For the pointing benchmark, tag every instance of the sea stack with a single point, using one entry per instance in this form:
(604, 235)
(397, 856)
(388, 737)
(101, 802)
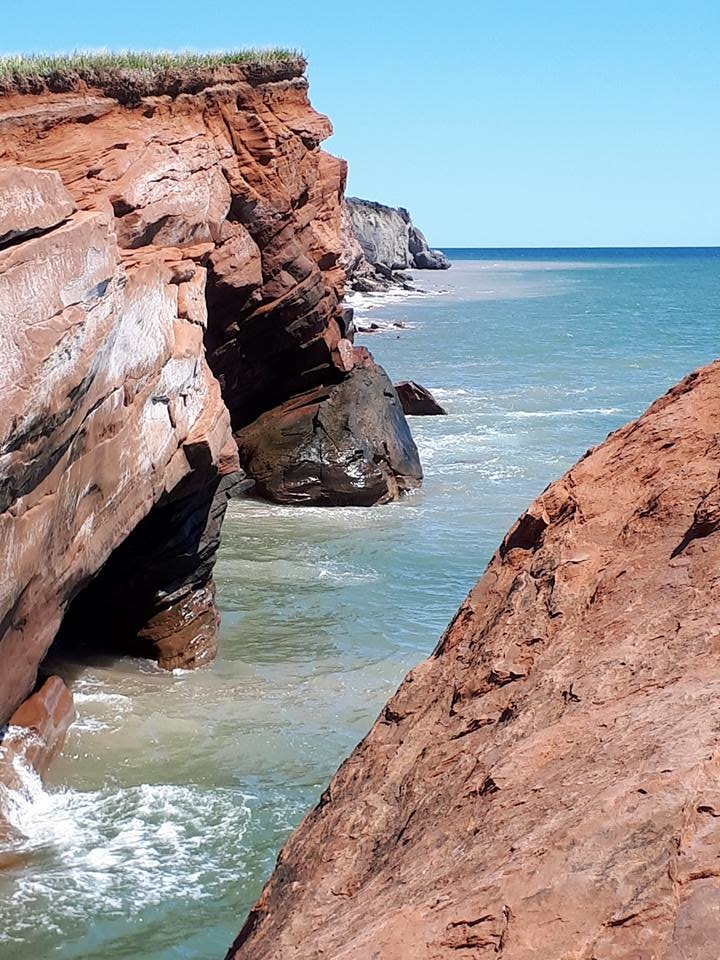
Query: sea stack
(547, 782)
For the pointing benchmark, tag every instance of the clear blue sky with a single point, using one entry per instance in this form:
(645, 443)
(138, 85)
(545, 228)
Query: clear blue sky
(496, 122)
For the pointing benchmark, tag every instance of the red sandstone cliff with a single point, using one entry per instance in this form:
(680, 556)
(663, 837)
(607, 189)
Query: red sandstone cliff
(547, 783)
(169, 271)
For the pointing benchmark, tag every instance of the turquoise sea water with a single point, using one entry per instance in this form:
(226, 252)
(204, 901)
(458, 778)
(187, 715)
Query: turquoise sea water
(174, 792)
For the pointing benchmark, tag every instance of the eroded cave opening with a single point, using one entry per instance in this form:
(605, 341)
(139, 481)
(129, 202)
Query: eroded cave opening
(154, 597)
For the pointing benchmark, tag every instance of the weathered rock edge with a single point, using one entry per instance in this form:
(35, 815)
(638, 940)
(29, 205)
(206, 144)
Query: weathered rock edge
(128, 85)
(547, 783)
(417, 401)
(379, 243)
(169, 271)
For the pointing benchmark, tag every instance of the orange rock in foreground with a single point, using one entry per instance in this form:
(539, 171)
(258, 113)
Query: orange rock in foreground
(547, 783)
(36, 730)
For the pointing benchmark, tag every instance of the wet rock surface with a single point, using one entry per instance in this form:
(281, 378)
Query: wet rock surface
(33, 736)
(546, 783)
(417, 401)
(343, 445)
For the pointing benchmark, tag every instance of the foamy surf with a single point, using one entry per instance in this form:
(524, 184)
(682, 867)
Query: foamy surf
(91, 847)
(552, 414)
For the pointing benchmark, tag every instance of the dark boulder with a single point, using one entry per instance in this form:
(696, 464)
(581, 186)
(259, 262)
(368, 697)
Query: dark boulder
(347, 444)
(417, 401)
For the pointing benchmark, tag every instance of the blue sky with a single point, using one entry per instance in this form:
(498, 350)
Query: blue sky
(496, 122)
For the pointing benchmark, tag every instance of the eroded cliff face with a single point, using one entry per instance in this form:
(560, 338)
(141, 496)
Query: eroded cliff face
(381, 242)
(108, 406)
(547, 784)
(169, 271)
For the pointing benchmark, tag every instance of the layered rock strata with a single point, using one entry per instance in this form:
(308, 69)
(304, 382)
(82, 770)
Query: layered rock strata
(108, 404)
(169, 271)
(547, 783)
(381, 242)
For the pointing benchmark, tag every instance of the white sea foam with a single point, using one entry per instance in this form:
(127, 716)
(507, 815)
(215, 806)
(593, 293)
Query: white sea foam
(307, 519)
(369, 301)
(369, 324)
(100, 696)
(549, 414)
(292, 571)
(97, 845)
(442, 393)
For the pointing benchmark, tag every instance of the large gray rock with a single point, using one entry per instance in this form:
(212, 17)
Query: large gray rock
(383, 233)
(389, 241)
(423, 257)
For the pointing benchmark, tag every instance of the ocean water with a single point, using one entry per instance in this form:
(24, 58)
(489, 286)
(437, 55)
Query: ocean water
(166, 810)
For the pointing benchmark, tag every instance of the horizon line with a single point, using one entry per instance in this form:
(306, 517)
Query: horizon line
(581, 246)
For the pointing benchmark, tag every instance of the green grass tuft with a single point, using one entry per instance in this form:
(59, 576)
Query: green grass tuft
(46, 66)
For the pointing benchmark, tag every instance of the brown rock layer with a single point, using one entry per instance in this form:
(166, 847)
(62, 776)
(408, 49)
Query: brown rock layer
(232, 174)
(29, 742)
(547, 784)
(36, 731)
(108, 404)
(169, 271)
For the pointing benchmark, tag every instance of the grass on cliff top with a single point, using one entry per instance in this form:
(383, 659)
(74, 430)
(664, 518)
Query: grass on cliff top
(79, 63)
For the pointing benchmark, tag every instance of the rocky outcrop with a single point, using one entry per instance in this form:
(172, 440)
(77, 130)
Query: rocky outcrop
(169, 271)
(108, 407)
(389, 242)
(417, 401)
(346, 445)
(423, 258)
(548, 782)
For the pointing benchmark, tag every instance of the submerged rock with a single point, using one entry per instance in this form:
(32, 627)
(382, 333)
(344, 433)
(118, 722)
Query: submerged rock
(347, 444)
(417, 401)
(547, 783)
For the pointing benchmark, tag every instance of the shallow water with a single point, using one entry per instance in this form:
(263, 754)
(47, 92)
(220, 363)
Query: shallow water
(174, 792)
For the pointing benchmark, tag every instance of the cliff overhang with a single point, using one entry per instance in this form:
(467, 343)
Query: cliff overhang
(170, 270)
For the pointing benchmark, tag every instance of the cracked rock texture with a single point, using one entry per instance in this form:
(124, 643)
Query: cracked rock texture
(108, 407)
(547, 783)
(169, 271)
